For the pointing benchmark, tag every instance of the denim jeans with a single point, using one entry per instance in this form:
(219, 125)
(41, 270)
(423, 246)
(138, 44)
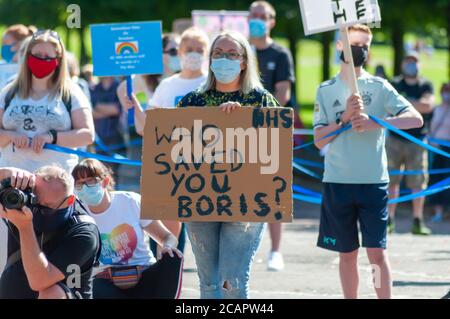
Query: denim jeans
(224, 254)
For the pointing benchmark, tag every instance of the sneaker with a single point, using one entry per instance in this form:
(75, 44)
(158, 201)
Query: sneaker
(276, 262)
(419, 228)
(391, 226)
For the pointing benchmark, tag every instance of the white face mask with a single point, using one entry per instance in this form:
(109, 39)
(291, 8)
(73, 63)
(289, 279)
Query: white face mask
(192, 61)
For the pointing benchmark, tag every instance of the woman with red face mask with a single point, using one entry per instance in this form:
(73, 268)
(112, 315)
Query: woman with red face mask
(42, 106)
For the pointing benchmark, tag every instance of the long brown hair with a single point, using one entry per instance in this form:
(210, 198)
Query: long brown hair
(90, 167)
(59, 82)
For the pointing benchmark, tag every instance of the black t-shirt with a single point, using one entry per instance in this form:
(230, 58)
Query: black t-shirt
(74, 244)
(108, 129)
(275, 65)
(414, 93)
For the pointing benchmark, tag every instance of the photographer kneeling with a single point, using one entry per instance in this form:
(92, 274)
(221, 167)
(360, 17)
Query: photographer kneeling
(53, 244)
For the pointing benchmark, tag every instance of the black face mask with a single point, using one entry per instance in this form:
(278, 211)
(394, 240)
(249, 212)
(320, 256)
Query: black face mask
(47, 219)
(360, 55)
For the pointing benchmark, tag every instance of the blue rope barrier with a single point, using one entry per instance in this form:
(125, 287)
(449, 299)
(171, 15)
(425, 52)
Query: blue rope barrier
(306, 191)
(439, 187)
(337, 132)
(436, 171)
(99, 157)
(310, 196)
(306, 171)
(115, 147)
(438, 141)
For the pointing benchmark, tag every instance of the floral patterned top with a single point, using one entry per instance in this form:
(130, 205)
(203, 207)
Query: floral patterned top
(256, 98)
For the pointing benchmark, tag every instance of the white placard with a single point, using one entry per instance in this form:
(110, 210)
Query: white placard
(326, 15)
(7, 72)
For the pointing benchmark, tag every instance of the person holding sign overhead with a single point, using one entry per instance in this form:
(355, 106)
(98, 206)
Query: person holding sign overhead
(144, 86)
(356, 176)
(224, 252)
(12, 40)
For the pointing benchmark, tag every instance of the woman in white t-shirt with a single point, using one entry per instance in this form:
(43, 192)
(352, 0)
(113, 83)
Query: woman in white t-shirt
(42, 106)
(128, 268)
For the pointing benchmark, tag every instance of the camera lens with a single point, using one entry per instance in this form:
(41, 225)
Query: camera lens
(13, 199)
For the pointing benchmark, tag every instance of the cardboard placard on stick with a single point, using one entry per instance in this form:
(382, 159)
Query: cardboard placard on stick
(200, 164)
(326, 15)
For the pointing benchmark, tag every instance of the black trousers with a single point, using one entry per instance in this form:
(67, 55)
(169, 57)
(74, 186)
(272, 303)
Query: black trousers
(161, 281)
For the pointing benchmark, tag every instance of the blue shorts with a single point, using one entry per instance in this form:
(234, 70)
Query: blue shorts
(343, 206)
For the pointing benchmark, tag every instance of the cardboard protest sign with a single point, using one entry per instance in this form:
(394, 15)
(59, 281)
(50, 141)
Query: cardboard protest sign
(123, 49)
(325, 15)
(214, 22)
(7, 72)
(200, 164)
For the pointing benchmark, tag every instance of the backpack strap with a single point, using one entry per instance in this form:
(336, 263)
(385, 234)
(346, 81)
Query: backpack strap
(68, 103)
(9, 97)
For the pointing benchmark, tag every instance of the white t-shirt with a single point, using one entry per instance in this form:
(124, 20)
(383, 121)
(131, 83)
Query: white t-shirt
(33, 117)
(124, 242)
(172, 89)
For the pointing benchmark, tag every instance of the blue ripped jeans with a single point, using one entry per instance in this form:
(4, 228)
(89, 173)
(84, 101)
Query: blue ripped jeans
(224, 254)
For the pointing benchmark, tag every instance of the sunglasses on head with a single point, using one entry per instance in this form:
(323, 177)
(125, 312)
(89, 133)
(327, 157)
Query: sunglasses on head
(51, 33)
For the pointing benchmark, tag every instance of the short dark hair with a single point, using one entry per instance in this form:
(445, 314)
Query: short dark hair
(90, 167)
(267, 5)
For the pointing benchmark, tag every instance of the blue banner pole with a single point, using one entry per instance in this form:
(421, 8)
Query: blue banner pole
(130, 93)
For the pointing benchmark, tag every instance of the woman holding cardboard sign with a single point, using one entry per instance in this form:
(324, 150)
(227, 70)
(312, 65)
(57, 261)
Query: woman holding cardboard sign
(224, 252)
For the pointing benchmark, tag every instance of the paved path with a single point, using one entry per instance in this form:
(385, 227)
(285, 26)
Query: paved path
(421, 265)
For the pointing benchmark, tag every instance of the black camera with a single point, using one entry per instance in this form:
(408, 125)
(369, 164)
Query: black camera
(14, 198)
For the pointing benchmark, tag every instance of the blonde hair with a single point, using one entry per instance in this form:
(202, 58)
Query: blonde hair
(266, 5)
(360, 27)
(249, 77)
(59, 82)
(56, 173)
(195, 33)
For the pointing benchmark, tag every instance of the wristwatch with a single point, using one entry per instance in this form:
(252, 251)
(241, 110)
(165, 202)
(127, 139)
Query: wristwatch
(54, 135)
(339, 119)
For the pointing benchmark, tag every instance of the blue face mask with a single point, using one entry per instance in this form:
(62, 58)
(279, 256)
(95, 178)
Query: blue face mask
(47, 222)
(174, 63)
(411, 70)
(7, 53)
(258, 28)
(92, 196)
(226, 70)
